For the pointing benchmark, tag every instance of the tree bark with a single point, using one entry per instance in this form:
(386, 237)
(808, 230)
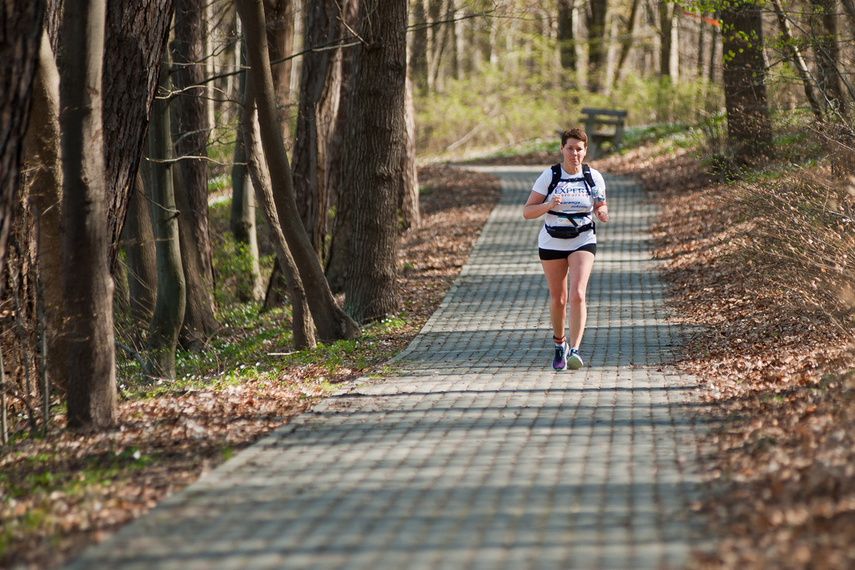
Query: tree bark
(374, 158)
(628, 39)
(140, 258)
(319, 104)
(338, 259)
(171, 293)
(135, 43)
(43, 155)
(242, 219)
(666, 25)
(597, 17)
(200, 322)
(408, 200)
(419, 46)
(301, 317)
(331, 321)
(91, 396)
(20, 26)
(190, 114)
(744, 74)
(280, 25)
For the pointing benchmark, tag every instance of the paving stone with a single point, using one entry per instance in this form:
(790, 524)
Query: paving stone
(474, 453)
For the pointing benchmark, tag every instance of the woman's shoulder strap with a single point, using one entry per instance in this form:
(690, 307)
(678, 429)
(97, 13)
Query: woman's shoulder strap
(556, 176)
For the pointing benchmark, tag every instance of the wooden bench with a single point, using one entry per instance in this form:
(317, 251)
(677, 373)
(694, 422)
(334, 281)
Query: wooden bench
(594, 119)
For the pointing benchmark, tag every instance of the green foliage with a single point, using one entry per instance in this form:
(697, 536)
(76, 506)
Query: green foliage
(492, 113)
(232, 262)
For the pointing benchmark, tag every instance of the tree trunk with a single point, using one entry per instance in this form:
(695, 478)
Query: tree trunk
(91, 396)
(338, 259)
(408, 200)
(242, 219)
(331, 321)
(140, 258)
(190, 182)
(566, 39)
(744, 74)
(797, 60)
(135, 43)
(628, 39)
(824, 39)
(301, 317)
(200, 323)
(666, 25)
(319, 104)
(43, 155)
(438, 40)
(280, 24)
(53, 22)
(597, 17)
(419, 46)
(19, 51)
(171, 294)
(374, 158)
(190, 116)
(714, 52)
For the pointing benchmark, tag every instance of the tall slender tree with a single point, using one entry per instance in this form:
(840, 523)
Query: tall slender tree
(171, 289)
(91, 395)
(331, 321)
(243, 214)
(190, 122)
(271, 202)
(43, 157)
(596, 18)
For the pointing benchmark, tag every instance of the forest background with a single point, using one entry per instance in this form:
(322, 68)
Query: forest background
(255, 234)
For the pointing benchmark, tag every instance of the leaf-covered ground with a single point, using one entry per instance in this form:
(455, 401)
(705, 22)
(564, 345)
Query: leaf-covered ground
(779, 457)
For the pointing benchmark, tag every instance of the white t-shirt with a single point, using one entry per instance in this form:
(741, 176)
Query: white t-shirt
(575, 198)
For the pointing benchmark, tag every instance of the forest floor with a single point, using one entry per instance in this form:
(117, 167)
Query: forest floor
(778, 456)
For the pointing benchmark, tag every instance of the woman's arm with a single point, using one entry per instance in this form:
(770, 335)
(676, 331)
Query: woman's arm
(536, 207)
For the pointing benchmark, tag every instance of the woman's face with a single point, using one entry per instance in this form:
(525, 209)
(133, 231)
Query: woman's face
(574, 151)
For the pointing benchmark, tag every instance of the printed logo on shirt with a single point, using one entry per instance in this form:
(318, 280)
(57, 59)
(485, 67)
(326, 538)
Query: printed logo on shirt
(574, 196)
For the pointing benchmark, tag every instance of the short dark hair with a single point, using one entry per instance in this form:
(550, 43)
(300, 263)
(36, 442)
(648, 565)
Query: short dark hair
(577, 134)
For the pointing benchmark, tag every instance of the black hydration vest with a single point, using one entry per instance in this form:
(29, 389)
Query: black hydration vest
(570, 232)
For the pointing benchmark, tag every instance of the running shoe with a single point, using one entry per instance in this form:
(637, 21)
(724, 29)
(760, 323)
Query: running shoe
(574, 360)
(559, 361)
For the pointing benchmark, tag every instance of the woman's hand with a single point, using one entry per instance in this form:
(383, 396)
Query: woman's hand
(602, 212)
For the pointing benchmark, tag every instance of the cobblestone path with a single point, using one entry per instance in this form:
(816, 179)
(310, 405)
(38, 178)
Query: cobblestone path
(474, 453)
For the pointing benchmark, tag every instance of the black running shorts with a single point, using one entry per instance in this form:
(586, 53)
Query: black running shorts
(549, 254)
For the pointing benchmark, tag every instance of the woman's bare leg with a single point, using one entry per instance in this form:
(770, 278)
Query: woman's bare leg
(580, 265)
(555, 271)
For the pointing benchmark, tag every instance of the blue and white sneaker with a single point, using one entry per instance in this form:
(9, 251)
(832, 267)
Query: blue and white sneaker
(574, 361)
(559, 361)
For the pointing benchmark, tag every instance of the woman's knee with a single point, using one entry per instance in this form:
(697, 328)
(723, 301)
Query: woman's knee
(559, 299)
(577, 297)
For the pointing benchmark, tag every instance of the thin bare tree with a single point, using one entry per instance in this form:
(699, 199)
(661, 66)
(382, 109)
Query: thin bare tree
(331, 321)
